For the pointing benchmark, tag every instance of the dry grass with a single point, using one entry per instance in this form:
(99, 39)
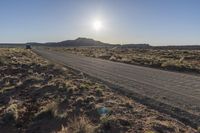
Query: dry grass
(50, 110)
(198, 129)
(78, 125)
(11, 113)
(44, 97)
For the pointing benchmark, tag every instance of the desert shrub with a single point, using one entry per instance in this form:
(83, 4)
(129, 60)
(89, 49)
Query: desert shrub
(49, 111)
(84, 86)
(79, 101)
(99, 92)
(112, 124)
(78, 125)
(3, 60)
(198, 129)
(128, 104)
(105, 122)
(63, 130)
(90, 98)
(62, 87)
(11, 114)
(150, 132)
(81, 125)
(176, 65)
(45, 114)
(70, 90)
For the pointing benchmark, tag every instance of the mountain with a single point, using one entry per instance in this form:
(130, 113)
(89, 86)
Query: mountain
(78, 42)
(81, 42)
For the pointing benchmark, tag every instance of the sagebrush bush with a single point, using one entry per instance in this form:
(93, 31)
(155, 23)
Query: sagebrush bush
(11, 114)
(48, 111)
(81, 125)
(99, 92)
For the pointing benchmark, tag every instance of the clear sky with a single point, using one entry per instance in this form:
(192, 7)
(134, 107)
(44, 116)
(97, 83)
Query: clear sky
(158, 22)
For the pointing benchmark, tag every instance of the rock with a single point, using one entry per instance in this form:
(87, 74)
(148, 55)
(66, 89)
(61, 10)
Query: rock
(103, 111)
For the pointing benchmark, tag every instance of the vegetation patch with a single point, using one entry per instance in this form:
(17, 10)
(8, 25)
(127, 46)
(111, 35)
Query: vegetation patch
(37, 96)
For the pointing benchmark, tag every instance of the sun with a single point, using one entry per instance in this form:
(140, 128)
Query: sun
(97, 25)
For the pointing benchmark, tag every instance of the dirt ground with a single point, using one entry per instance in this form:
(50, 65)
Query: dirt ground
(37, 96)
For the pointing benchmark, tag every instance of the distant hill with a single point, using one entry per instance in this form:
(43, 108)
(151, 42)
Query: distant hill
(87, 42)
(180, 47)
(11, 45)
(81, 42)
(136, 46)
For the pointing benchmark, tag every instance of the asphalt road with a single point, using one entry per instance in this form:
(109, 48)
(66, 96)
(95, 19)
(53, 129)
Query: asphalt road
(171, 88)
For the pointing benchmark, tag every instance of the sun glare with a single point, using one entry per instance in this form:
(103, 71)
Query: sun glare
(97, 25)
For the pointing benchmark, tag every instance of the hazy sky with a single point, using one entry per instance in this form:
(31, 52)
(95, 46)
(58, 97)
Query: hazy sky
(158, 22)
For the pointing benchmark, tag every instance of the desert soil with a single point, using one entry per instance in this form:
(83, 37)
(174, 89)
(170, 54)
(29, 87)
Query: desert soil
(37, 96)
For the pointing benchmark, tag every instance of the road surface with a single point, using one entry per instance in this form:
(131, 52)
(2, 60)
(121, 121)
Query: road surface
(175, 89)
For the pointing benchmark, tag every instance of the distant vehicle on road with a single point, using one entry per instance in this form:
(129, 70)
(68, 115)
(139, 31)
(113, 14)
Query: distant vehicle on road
(28, 46)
